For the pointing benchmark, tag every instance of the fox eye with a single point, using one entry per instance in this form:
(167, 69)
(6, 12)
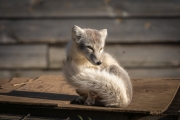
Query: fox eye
(89, 47)
(100, 49)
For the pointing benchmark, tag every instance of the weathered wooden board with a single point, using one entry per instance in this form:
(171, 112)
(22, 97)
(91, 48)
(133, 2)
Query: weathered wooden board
(27, 117)
(174, 106)
(4, 74)
(12, 117)
(154, 73)
(133, 72)
(33, 73)
(4, 81)
(153, 90)
(153, 95)
(119, 30)
(56, 56)
(130, 55)
(43, 90)
(146, 55)
(23, 56)
(14, 84)
(84, 8)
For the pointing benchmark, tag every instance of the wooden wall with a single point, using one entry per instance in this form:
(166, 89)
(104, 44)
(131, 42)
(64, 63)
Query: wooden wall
(143, 35)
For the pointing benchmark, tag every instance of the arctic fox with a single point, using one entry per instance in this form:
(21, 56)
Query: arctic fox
(95, 74)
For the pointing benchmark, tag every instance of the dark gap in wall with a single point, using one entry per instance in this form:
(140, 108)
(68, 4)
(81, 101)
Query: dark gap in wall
(63, 44)
(87, 17)
(58, 69)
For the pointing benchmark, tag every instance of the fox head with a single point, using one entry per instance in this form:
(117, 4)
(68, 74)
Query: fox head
(89, 43)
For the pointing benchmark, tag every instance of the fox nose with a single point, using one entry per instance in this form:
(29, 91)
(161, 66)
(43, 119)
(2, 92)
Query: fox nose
(99, 62)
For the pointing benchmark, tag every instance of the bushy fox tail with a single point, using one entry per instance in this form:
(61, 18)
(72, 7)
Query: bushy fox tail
(109, 87)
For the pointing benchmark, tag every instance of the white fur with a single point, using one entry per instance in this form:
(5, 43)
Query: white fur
(82, 74)
(110, 87)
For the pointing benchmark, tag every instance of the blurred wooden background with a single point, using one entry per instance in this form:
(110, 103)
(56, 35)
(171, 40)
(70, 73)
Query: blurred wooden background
(144, 35)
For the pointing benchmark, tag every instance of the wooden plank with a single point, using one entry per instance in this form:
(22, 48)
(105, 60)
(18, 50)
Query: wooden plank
(56, 56)
(46, 84)
(133, 72)
(153, 95)
(23, 56)
(14, 84)
(146, 55)
(131, 55)
(4, 74)
(149, 88)
(3, 81)
(32, 73)
(19, 116)
(119, 30)
(154, 73)
(84, 8)
(12, 117)
(175, 105)
(41, 91)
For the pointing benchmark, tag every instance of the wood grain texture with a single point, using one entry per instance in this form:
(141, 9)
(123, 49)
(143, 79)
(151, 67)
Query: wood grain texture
(84, 8)
(144, 73)
(175, 105)
(4, 81)
(153, 95)
(13, 84)
(27, 116)
(23, 56)
(52, 90)
(56, 56)
(153, 90)
(119, 30)
(131, 55)
(32, 73)
(146, 55)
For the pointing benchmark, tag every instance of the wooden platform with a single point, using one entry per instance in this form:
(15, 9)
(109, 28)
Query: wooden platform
(151, 96)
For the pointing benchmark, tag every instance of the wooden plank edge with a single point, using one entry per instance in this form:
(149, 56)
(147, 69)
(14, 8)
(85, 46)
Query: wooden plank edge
(11, 103)
(64, 113)
(101, 109)
(177, 92)
(72, 107)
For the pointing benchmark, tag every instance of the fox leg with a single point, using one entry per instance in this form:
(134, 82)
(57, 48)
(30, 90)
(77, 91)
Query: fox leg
(82, 97)
(91, 98)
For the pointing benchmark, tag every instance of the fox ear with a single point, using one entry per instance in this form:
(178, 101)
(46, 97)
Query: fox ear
(77, 32)
(103, 33)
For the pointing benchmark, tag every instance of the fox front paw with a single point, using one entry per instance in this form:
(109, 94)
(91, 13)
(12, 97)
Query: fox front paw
(89, 102)
(77, 101)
